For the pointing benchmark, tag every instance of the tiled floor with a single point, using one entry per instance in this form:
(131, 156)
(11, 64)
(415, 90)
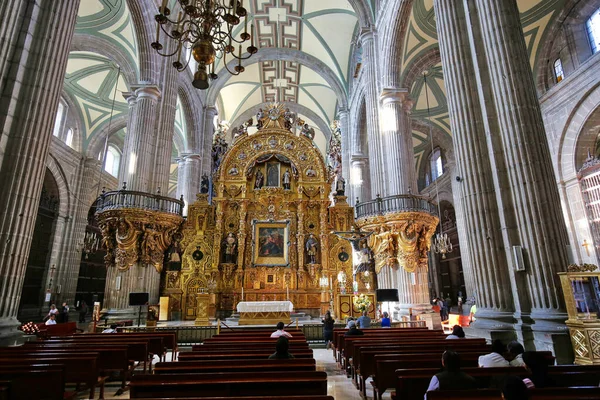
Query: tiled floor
(338, 385)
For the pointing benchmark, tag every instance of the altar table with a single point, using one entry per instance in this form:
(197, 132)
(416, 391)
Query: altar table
(264, 312)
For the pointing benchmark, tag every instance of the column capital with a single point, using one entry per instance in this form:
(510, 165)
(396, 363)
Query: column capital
(150, 91)
(211, 110)
(131, 98)
(395, 95)
(190, 156)
(366, 35)
(343, 112)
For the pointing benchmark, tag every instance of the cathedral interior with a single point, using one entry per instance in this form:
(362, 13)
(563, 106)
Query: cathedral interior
(441, 148)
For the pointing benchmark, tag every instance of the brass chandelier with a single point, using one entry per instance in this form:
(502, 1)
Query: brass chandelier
(206, 27)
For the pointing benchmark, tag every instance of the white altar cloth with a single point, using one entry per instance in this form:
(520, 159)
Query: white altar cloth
(265, 306)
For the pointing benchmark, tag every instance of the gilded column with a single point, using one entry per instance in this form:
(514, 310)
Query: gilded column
(378, 174)
(396, 131)
(36, 40)
(479, 226)
(533, 214)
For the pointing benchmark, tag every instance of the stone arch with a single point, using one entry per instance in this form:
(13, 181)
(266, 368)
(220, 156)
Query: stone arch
(441, 140)
(283, 54)
(73, 117)
(59, 176)
(185, 97)
(420, 64)
(142, 12)
(392, 29)
(99, 45)
(96, 144)
(363, 12)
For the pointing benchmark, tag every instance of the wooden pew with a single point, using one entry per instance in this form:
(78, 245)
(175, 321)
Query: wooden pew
(338, 335)
(241, 355)
(248, 345)
(40, 382)
(186, 367)
(169, 339)
(411, 384)
(265, 384)
(569, 393)
(314, 397)
(63, 329)
(79, 368)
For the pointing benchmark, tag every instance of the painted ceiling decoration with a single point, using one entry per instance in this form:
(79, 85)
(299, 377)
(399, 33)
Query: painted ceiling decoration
(322, 29)
(421, 38)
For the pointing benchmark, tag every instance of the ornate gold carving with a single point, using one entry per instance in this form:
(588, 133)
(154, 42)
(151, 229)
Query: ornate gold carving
(582, 268)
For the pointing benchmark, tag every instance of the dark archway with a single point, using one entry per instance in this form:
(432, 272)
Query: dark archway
(34, 285)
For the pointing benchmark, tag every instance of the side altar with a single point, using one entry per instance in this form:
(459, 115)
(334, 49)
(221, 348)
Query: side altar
(267, 233)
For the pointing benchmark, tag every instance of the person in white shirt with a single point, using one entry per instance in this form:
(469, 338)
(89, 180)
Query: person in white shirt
(51, 320)
(112, 329)
(515, 354)
(496, 357)
(280, 332)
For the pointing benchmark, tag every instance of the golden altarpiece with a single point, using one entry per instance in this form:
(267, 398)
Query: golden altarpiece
(268, 234)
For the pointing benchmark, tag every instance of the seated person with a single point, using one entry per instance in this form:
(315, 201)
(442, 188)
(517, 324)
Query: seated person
(281, 350)
(457, 333)
(514, 389)
(348, 322)
(496, 357)
(51, 320)
(385, 321)
(112, 329)
(452, 378)
(353, 331)
(538, 366)
(364, 321)
(280, 332)
(515, 354)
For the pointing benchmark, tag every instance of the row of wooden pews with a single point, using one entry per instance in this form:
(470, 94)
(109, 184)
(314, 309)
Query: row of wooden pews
(84, 360)
(235, 365)
(406, 359)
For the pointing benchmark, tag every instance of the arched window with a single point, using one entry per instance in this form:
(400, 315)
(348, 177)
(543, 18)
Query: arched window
(558, 70)
(60, 115)
(593, 31)
(69, 137)
(113, 161)
(436, 164)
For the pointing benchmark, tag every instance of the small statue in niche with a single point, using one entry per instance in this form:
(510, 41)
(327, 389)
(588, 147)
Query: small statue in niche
(287, 179)
(311, 173)
(204, 184)
(259, 181)
(308, 131)
(234, 171)
(312, 248)
(260, 115)
(289, 119)
(340, 185)
(230, 245)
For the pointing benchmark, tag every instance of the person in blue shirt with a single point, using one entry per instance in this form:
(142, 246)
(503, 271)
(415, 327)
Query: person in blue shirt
(385, 321)
(364, 321)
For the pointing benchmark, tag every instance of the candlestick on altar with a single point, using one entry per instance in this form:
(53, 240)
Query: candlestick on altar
(242, 293)
(287, 289)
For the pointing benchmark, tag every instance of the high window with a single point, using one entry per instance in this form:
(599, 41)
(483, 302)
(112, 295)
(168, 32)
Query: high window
(559, 73)
(69, 137)
(436, 164)
(593, 31)
(60, 116)
(113, 161)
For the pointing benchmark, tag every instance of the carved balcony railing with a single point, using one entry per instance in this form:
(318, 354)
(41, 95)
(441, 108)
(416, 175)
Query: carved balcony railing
(395, 204)
(128, 199)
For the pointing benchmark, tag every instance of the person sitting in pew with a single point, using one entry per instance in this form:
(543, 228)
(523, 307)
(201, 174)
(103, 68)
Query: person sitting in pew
(515, 354)
(537, 365)
(353, 330)
(112, 329)
(364, 321)
(514, 389)
(348, 322)
(51, 320)
(385, 321)
(282, 348)
(457, 333)
(452, 378)
(496, 357)
(280, 332)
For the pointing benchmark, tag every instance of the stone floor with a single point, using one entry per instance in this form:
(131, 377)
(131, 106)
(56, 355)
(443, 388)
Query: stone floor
(338, 385)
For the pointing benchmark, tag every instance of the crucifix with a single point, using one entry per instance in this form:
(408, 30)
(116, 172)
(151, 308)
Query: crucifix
(586, 246)
(355, 238)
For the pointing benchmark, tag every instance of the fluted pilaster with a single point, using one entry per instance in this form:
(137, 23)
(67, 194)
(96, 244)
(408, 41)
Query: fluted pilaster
(188, 182)
(534, 218)
(36, 41)
(479, 225)
(378, 174)
(345, 128)
(413, 290)
(396, 129)
(140, 142)
(207, 137)
(359, 178)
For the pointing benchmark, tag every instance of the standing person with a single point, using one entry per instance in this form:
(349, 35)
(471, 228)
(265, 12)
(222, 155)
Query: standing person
(64, 313)
(452, 378)
(83, 309)
(385, 321)
(53, 311)
(440, 304)
(328, 329)
(364, 321)
(282, 348)
(280, 332)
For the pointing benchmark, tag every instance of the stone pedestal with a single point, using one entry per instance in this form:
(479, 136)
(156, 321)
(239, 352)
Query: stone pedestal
(202, 306)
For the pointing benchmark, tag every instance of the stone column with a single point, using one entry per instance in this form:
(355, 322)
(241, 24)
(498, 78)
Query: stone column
(359, 178)
(396, 129)
(413, 291)
(345, 128)
(188, 182)
(36, 39)
(207, 138)
(376, 165)
(533, 214)
(477, 213)
(140, 143)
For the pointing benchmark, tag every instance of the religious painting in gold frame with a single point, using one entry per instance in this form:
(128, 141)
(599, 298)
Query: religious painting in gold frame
(271, 243)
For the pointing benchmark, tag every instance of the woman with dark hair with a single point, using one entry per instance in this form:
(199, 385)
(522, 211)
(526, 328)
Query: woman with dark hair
(385, 321)
(452, 378)
(457, 333)
(514, 389)
(328, 328)
(538, 366)
(281, 350)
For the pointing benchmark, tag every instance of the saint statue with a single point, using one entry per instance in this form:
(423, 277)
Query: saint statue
(364, 258)
(308, 131)
(312, 248)
(204, 184)
(260, 115)
(230, 248)
(286, 179)
(273, 175)
(259, 180)
(340, 185)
